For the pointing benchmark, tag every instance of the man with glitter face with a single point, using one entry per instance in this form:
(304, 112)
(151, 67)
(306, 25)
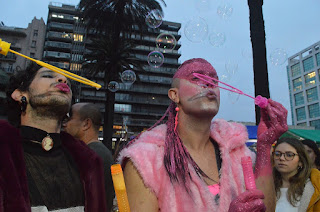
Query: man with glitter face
(192, 163)
(42, 169)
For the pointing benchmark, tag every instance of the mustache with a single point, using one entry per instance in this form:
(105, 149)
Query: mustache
(202, 94)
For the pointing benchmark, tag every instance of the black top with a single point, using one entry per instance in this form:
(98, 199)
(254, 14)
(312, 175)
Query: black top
(53, 178)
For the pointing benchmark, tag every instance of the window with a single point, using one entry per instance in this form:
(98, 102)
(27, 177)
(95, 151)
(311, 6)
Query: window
(308, 64)
(295, 70)
(297, 84)
(77, 37)
(314, 110)
(298, 99)
(302, 124)
(301, 113)
(33, 44)
(122, 107)
(318, 59)
(310, 79)
(35, 33)
(32, 55)
(316, 124)
(312, 94)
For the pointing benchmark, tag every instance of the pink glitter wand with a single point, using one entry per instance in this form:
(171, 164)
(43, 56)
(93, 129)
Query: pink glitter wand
(262, 102)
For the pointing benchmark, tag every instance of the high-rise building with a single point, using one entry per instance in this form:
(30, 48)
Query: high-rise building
(136, 107)
(304, 86)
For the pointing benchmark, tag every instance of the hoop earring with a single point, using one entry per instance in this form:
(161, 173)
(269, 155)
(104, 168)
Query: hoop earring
(23, 105)
(176, 119)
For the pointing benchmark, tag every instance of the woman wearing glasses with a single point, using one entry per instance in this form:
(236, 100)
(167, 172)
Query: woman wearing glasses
(297, 185)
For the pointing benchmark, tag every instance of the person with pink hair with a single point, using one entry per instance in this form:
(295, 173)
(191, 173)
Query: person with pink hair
(192, 163)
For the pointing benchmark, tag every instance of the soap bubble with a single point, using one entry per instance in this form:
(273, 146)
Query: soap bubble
(247, 53)
(113, 86)
(278, 57)
(203, 5)
(233, 97)
(196, 30)
(128, 77)
(154, 19)
(225, 11)
(166, 42)
(217, 39)
(231, 67)
(155, 59)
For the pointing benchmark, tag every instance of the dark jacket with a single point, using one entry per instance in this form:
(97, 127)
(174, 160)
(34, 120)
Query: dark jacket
(14, 195)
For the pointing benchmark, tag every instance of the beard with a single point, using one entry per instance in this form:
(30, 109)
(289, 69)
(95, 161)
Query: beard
(49, 106)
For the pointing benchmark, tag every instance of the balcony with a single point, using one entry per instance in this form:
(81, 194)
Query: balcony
(58, 55)
(10, 57)
(61, 36)
(60, 45)
(62, 17)
(60, 65)
(60, 26)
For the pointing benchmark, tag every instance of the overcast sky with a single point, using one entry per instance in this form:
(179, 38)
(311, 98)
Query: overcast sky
(291, 26)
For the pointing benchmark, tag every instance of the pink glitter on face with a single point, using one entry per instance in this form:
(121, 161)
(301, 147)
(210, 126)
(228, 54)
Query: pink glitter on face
(195, 65)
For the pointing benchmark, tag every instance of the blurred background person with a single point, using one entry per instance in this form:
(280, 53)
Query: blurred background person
(83, 123)
(313, 152)
(297, 185)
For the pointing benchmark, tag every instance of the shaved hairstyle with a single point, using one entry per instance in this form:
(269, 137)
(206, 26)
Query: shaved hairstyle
(91, 111)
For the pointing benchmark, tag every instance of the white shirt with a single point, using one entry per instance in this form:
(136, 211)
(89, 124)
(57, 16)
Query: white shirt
(283, 205)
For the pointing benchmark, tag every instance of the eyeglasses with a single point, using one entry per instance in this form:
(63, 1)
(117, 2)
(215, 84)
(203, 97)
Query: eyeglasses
(287, 155)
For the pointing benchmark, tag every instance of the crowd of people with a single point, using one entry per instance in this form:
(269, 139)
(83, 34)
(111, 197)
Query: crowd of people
(51, 158)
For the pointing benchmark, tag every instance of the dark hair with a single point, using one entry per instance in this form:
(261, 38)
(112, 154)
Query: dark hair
(21, 80)
(91, 111)
(312, 145)
(297, 182)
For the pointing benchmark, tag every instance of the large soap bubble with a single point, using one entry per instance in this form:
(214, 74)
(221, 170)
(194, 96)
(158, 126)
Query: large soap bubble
(278, 56)
(225, 11)
(113, 86)
(154, 19)
(217, 39)
(166, 42)
(155, 59)
(196, 30)
(128, 77)
(231, 67)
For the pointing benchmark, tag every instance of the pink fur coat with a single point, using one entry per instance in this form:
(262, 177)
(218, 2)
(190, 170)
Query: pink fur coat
(147, 156)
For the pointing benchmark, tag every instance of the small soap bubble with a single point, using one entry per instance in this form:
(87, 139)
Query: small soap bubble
(128, 77)
(278, 57)
(231, 67)
(154, 18)
(155, 59)
(225, 11)
(217, 39)
(166, 42)
(203, 5)
(113, 86)
(247, 53)
(196, 30)
(233, 97)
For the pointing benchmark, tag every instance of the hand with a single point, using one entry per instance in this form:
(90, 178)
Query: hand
(273, 123)
(249, 201)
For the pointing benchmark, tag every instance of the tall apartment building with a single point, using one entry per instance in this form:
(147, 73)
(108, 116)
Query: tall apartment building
(304, 86)
(146, 100)
(28, 41)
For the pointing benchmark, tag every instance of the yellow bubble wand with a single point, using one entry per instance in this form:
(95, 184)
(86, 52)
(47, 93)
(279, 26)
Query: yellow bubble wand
(6, 48)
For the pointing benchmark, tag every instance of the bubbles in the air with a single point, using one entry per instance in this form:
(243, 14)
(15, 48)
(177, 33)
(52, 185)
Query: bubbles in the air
(233, 97)
(155, 59)
(217, 39)
(225, 11)
(154, 18)
(128, 77)
(231, 67)
(203, 5)
(113, 86)
(278, 56)
(196, 30)
(247, 53)
(166, 42)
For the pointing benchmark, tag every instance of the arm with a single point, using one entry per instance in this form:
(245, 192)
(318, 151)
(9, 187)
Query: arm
(272, 125)
(140, 197)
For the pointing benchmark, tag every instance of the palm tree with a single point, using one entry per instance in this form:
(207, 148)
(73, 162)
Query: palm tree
(258, 39)
(112, 22)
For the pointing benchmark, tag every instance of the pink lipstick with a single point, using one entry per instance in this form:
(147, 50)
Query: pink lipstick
(63, 87)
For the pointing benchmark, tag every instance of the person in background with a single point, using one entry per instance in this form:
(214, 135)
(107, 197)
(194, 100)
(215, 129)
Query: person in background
(83, 123)
(41, 168)
(297, 185)
(313, 152)
(192, 163)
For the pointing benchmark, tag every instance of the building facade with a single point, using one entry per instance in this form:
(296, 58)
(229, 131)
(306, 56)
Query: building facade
(304, 86)
(138, 106)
